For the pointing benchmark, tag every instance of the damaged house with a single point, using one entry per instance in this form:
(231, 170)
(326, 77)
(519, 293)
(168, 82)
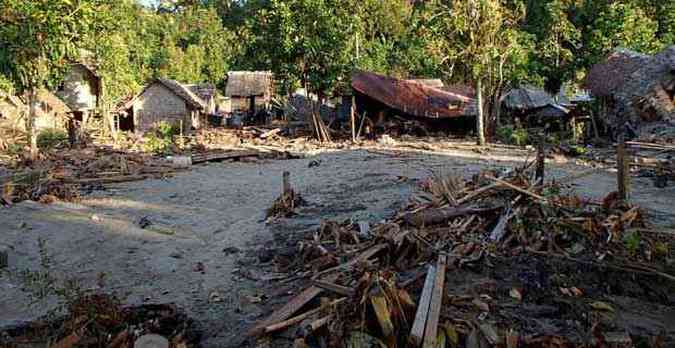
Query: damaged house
(634, 85)
(81, 90)
(381, 96)
(163, 100)
(250, 91)
(534, 106)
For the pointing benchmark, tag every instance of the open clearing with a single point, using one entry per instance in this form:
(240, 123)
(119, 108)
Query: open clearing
(208, 223)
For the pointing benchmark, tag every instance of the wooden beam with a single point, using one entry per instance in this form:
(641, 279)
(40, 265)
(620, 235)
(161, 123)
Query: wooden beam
(417, 332)
(431, 331)
(623, 169)
(287, 310)
(297, 319)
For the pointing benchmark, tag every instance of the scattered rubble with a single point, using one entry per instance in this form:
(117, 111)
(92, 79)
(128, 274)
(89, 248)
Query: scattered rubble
(549, 263)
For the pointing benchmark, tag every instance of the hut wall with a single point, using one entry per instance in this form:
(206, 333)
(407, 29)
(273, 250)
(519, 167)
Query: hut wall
(158, 103)
(243, 103)
(79, 89)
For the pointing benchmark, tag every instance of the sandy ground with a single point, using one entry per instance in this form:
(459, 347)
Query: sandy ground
(186, 256)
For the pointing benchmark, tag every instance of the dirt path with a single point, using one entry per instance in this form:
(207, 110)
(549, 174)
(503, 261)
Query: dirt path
(203, 216)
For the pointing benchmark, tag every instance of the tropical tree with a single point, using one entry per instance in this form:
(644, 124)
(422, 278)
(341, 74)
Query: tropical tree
(37, 40)
(480, 37)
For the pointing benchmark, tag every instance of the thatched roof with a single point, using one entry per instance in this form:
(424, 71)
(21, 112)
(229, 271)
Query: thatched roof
(12, 99)
(412, 97)
(248, 83)
(637, 82)
(607, 78)
(49, 102)
(179, 89)
(182, 91)
(205, 91)
(527, 98)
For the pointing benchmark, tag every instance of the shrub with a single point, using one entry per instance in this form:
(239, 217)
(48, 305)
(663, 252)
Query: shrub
(513, 135)
(156, 145)
(51, 138)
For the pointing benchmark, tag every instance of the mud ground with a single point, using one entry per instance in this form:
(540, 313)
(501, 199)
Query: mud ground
(206, 226)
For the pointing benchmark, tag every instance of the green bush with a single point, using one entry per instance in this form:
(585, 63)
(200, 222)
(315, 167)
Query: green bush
(51, 138)
(166, 130)
(157, 145)
(513, 135)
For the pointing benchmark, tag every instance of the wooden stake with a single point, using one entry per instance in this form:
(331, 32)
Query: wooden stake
(623, 168)
(541, 161)
(287, 183)
(417, 331)
(431, 331)
(353, 118)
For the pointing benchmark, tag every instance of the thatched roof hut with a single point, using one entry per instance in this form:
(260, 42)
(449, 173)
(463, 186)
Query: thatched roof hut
(249, 84)
(638, 85)
(526, 98)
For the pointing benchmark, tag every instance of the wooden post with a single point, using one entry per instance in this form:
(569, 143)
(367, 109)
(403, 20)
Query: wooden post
(623, 168)
(287, 183)
(353, 118)
(541, 161)
(32, 130)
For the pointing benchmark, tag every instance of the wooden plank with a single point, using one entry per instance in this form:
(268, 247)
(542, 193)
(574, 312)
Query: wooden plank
(295, 320)
(431, 331)
(287, 310)
(382, 312)
(417, 332)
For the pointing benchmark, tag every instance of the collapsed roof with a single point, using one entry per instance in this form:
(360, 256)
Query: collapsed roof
(412, 97)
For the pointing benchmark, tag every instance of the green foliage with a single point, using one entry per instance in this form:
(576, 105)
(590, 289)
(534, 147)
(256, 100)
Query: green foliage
(513, 135)
(52, 138)
(6, 85)
(161, 139)
(632, 242)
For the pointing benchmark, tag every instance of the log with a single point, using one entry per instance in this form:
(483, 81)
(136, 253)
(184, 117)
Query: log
(417, 332)
(623, 169)
(221, 156)
(431, 331)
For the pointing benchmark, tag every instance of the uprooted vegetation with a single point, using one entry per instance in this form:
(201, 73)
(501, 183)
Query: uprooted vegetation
(497, 260)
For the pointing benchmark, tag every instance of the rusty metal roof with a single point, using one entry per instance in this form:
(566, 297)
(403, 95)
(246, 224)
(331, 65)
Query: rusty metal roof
(413, 97)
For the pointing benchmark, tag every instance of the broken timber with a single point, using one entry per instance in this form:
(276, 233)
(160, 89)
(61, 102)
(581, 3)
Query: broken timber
(417, 332)
(431, 331)
(287, 310)
(221, 156)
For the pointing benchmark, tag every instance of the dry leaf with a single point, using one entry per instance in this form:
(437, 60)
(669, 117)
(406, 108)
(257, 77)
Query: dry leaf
(602, 306)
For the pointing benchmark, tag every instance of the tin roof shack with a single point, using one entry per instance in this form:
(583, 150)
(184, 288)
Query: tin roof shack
(250, 91)
(162, 100)
(381, 96)
(634, 85)
(81, 90)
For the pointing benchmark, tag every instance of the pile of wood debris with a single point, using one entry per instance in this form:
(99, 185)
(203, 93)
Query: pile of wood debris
(99, 321)
(500, 260)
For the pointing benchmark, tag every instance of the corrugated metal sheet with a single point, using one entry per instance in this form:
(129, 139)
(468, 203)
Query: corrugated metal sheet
(412, 97)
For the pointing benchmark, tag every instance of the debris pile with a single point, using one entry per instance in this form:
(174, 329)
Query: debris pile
(285, 205)
(60, 174)
(499, 260)
(99, 321)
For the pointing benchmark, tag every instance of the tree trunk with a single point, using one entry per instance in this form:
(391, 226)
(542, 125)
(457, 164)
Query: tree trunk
(480, 129)
(30, 127)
